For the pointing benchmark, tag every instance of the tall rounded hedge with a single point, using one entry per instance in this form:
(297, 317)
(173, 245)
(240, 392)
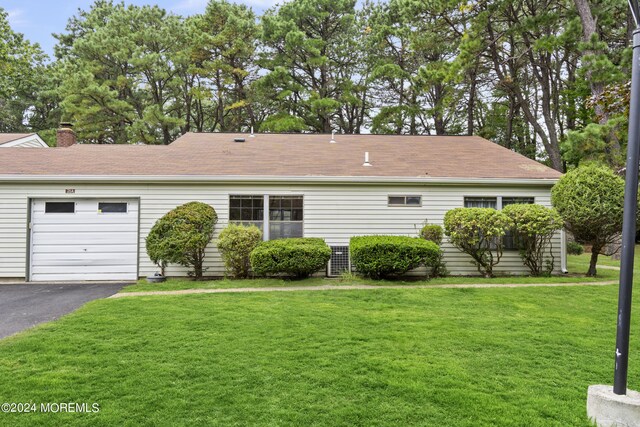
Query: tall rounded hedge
(379, 257)
(182, 235)
(533, 228)
(298, 257)
(235, 244)
(478, 232)
(590, 200)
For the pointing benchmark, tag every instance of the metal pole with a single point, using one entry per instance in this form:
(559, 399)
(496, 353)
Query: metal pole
(629, 226)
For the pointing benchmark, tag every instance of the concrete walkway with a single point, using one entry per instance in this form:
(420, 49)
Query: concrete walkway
(358, 287)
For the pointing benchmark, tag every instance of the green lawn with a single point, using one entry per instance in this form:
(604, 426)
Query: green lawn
(454, 357)
(577, 266)
(387, 357)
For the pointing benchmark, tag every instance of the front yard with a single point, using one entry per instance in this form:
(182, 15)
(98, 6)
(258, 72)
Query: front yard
(577, 266)
(454, 357)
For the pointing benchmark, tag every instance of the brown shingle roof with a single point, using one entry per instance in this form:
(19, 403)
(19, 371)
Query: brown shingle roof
(216, 154)
(8, 137)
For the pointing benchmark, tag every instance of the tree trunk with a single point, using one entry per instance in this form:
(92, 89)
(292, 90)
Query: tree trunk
(592, 264)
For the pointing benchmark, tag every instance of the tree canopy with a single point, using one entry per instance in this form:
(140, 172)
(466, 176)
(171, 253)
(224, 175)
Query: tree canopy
(546, 78)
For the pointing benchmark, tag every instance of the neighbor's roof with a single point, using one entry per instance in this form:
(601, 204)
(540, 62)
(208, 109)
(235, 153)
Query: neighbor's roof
(284, 155)
(8, 137)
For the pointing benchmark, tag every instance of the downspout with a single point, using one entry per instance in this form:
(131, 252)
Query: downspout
(563, 252)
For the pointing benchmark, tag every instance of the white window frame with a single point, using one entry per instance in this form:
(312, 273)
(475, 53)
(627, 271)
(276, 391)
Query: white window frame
(265, 211)
(403, 205)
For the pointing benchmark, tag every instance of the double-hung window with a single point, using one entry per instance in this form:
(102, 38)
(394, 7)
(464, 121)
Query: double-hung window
(509, 240)
(284, 214)
(285, 217)
(247, 210)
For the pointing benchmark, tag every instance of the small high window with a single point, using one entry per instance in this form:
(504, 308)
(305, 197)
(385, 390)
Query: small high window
(59, 207)
(112, 207)
(405, 201)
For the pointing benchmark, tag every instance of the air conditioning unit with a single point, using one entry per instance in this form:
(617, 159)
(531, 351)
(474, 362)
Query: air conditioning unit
(339, 262)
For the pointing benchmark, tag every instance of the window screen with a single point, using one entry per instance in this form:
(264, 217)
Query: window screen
(59, 207)
(480, 202)
(405, 200)
(285, 217)
(112, 207)
(510, 239)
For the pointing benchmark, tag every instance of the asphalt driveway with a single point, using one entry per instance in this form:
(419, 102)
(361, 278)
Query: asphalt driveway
(23, 306)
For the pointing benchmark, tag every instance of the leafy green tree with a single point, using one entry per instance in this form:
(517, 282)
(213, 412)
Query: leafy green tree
(23, 75)
(181, 236)
(308, 51)
(534, 227)
(590, 200)
(224, 41)
(121, 66)
(478, 232)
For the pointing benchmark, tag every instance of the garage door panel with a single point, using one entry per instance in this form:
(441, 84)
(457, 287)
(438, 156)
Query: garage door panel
(82, 258)
(87, 269)
(71, 248)
(78, 277)
(47, 220)
(85, 244)
(85, 239)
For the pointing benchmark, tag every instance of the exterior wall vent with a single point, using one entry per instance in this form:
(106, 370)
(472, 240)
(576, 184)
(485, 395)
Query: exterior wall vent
(340, 261)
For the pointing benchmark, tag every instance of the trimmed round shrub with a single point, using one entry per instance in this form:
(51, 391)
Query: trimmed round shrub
(432, 232)
(379, 257)
(533, 228)
(182, 235)
(478, 232)
(590, 200)
(235, 245)
(298, 257)
(575, 248)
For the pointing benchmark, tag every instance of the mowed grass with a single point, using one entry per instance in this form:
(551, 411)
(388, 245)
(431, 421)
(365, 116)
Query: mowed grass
(577, 266)
(384, 357)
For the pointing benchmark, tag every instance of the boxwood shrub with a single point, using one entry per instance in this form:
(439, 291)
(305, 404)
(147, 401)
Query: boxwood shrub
(298, 257)
(379, 257)
(575, 248)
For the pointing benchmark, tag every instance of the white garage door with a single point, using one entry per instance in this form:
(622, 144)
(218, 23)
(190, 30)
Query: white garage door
(84, 239)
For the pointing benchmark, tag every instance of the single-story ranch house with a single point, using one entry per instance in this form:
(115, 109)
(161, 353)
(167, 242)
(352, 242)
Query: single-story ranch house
(82, 212)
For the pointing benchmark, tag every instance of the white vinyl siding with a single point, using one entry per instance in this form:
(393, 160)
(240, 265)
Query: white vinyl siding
(333, 212)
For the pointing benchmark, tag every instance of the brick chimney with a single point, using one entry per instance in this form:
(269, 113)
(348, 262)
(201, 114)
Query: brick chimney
(65, 136)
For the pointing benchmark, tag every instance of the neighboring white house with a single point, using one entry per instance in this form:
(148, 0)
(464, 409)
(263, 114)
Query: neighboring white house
(82, 212)
(22, 140)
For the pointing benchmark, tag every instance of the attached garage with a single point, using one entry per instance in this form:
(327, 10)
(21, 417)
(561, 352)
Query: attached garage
(83, 239)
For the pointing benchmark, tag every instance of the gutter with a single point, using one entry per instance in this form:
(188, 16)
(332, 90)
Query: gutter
(563, 251)
(202, 179)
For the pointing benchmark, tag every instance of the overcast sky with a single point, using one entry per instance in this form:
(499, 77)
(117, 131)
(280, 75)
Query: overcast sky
(38, 19)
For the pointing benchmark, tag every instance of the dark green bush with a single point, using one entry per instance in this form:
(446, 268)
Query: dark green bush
(182, 235)
(379, 257)
(235, 245)
(299, 257)
(575, 248)
(432, 232)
